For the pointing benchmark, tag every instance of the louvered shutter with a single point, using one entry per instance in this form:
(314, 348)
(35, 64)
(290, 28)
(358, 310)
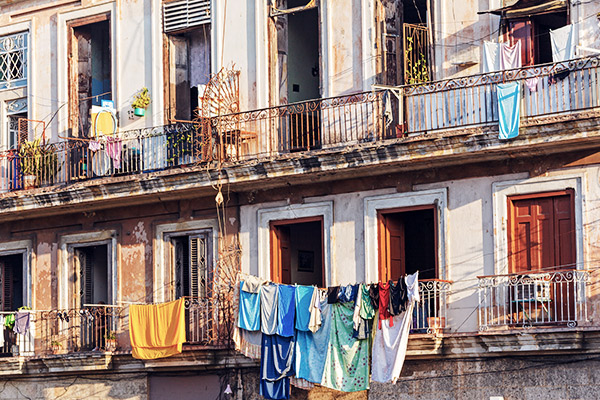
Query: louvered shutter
(86, 287)
(198, 267)
(6, 275)
(183, 14)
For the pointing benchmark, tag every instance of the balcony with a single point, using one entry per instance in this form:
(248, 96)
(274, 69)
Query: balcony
(429, 315)
(564, 91)
(98, 329)
(535, 299)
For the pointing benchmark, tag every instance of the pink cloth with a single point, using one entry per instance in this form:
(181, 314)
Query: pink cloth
(510, 56)
(113, 149)
(94, 146)
(532, 83)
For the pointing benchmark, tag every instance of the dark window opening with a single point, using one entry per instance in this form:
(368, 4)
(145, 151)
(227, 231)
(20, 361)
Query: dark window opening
(407, 244)
(189, 71)
(297, 252)
(90, 77)
(92, 274)
(192, 267)
(11, 273)
(415, 12)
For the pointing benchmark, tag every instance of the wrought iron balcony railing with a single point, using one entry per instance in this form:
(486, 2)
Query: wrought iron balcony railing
(429, 315)
(533, 299)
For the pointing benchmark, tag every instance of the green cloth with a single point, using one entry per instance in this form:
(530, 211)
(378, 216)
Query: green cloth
(347, 363)
(9, 321)
(366, 307)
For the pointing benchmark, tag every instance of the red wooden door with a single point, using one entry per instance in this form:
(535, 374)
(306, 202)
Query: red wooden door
(522, 30)
(392, 259)
(281, 257)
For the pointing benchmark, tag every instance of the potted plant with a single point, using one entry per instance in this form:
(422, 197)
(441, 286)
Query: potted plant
(111, 341)
(39, 163)
(140, 102)
(55, 346)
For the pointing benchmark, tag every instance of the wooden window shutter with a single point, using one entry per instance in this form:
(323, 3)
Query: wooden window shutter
(86, 274)
(183, 14)
(6, 274)
(198, 265)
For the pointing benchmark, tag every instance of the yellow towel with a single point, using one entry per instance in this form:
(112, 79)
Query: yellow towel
(157, 330)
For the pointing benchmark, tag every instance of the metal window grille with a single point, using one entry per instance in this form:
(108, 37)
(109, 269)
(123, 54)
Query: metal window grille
(183, 14)
(13, 60)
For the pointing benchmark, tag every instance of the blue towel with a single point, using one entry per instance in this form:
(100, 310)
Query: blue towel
(276, 390)
(286, 307)
(303, 297)
(509, 100)
(277, 357)
(249, 310)
(311, 349)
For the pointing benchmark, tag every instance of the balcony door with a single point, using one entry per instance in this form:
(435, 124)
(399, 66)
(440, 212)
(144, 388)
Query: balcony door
(191, 261)
(542, 251)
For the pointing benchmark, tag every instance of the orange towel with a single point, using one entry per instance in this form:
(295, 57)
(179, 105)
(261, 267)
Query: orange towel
(157, 330)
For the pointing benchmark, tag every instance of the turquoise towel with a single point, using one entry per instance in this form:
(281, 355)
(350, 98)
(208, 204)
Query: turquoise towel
(311, 349)
(303, 298)
(509, 96)
(249, 312)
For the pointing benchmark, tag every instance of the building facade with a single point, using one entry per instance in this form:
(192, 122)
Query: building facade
(313, 142)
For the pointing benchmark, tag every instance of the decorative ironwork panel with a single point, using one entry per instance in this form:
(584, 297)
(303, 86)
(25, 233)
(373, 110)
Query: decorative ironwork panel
(13, 60)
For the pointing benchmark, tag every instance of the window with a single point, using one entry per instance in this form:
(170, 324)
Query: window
(92, 274)
(407, 242)
(192, 270)
(297, 251)
(541, 232)
(16, 110)
(13, 60)
(89, 70)
(11, 276)
(187, 24)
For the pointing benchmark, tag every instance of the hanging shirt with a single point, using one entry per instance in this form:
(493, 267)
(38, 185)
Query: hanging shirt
(268, 309)
(412, 287)
(347, 293)
(315, 310)
(491, 57)
(303, 297)
(286, 309)
(374, 295)
(510, 56)
(249, 310)
(311, 349)
(357, 304)
(398, 297)
(332, 294)
(367, 311)
(347, 365)
(384, 302)
(563, 45)
(509, 96)
(389, 347)
(252, 284)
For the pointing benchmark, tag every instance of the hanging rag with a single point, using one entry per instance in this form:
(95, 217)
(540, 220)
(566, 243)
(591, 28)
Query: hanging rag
(252, 284)
(389, 347)
(249, 310)
(509, 96)
(347, 293)
(491, 57)
(563, 45)
(384, 302)
(510, 56)
(248, 342)
(367, 311)
(113, 150)
(303, 296)
(347, 364)
(22, 322)
(94, 146)
(332, 294)
(374, 295)
(319, 296)
(276, 366)
(9, 321)
(388, 115)
(412, 287)
(357, 305)
(398, 297)
(286, 307)
(268, 309)
(311, 349)
(157, 330)
(532, 83)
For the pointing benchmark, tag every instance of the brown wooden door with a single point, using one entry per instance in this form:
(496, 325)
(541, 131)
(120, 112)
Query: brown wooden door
(392, 264)
(542, 233)
(522, 30)
(281, 257)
